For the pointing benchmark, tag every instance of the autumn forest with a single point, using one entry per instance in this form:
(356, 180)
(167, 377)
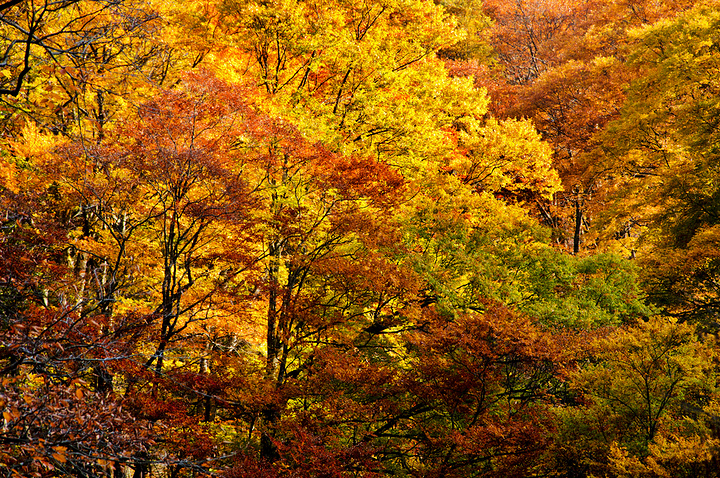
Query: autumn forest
(359, 238)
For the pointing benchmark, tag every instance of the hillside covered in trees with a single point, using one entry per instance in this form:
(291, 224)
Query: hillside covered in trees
(359, 238)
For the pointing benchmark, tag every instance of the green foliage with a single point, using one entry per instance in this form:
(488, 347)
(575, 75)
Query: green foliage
(597, 290)
(489, 249)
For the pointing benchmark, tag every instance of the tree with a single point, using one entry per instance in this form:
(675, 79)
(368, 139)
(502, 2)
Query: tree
(23, 26)
(62, 48)
(138, 219)
(59, 415)
(645, 388)
(363, 78)
(562, 65)
(309, 254)
(662, 154)
(462, 396)
(471, 19)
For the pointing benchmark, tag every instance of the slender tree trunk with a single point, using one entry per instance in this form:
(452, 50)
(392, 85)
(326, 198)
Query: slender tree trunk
(207, 401)
(142, 467)
(273, 345)
(103, 378)
(82, 272)
(271, 414)
(578, 226)
(100, 117)
(162, 346)
(268, 449)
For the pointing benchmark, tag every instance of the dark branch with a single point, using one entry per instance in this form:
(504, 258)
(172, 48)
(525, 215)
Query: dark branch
(9, 4)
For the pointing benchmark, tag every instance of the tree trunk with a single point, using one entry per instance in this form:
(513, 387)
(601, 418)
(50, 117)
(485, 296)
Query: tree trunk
(271, 414)
(578, 225)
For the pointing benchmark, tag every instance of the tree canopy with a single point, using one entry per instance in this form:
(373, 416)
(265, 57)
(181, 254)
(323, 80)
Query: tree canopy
(328, 238)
